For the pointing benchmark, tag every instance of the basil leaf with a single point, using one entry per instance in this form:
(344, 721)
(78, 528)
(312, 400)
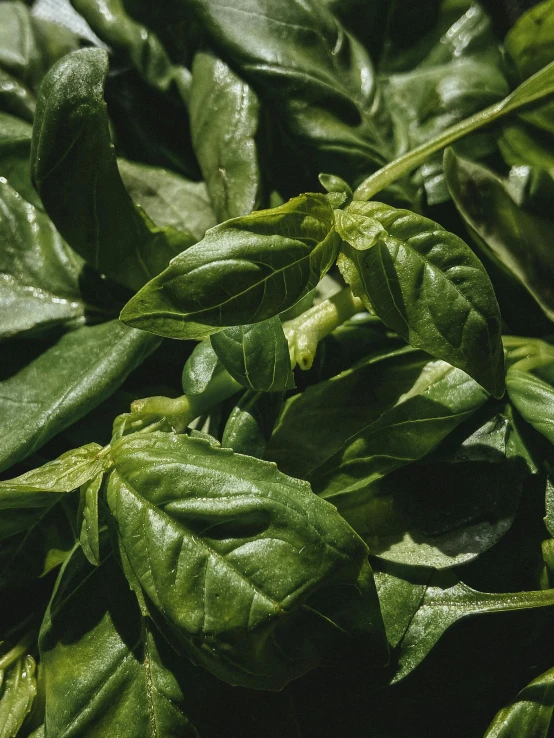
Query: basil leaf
(250, 423)
(110, 21)
(317, 77)
(107, 672)
(427, 285)
(20, 53)
(44, 283)
(529, 714)
(252, 552)
(461, 74)
(440, 399)
(316, 423)
(63, 384)
(446, 600)
(533, 397)
(200, 368)
(449, 509)
(88, 519)
(74, 169)
(169, 199)
(401, 590)
(243, 271)
(15, 147)
(256, 355)
(15, 98)
(224, 116)
(519, 240)
(19, 689)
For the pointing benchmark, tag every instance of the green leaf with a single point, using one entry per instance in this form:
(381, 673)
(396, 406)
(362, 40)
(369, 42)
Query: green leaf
(15, 147)
(15, 98)
(534, 399)
(36, 528)
(200, 368)
(256, 355)
(518, 239)
(43, 282)
(19, 688)
(317, 78)
(243, 271)
(74, 169)
(440, 399)
(446, 601)
(224, 115)
(427, 285)
(529, 94)
(529, 41)
(88, 518)
(401, 590)
(106, 670)
(528, 139)
(111, 22)
(250, 423)
(451, 507)
(530, 714)
(169, 199)
(20, 53)
(46, 394)
(253, 574)
(461, 74)
(316, 423)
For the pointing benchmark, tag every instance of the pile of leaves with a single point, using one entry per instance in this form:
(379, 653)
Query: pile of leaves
(277, 377)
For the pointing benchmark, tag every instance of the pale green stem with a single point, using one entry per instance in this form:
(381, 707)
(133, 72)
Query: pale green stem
(20, 649)
(415, 158)
(183, 410)
(307, 330)
(303, 334)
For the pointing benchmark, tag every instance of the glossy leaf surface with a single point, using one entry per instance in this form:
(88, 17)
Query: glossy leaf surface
(518, 239)
(59, 386)
(225, 113)
(169, 199)
(243, 271)
(317, 76)
(74, 169)
(426, 284)
(43, 283)
(256, 355)
(529, 714)
(106, 670)
(253, 552)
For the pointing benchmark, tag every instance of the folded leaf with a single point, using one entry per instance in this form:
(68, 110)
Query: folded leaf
(518, 239)
(88, 519)
(224, 119)
(441, 399)
(19, 688)
(44, 285)
(427, 285)
(256, 355)
(316, 76)
(110, 21)
(534, 399)
(450, 508)
(243, 271)
(15, 148)
(74, 169)
(254, 575)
